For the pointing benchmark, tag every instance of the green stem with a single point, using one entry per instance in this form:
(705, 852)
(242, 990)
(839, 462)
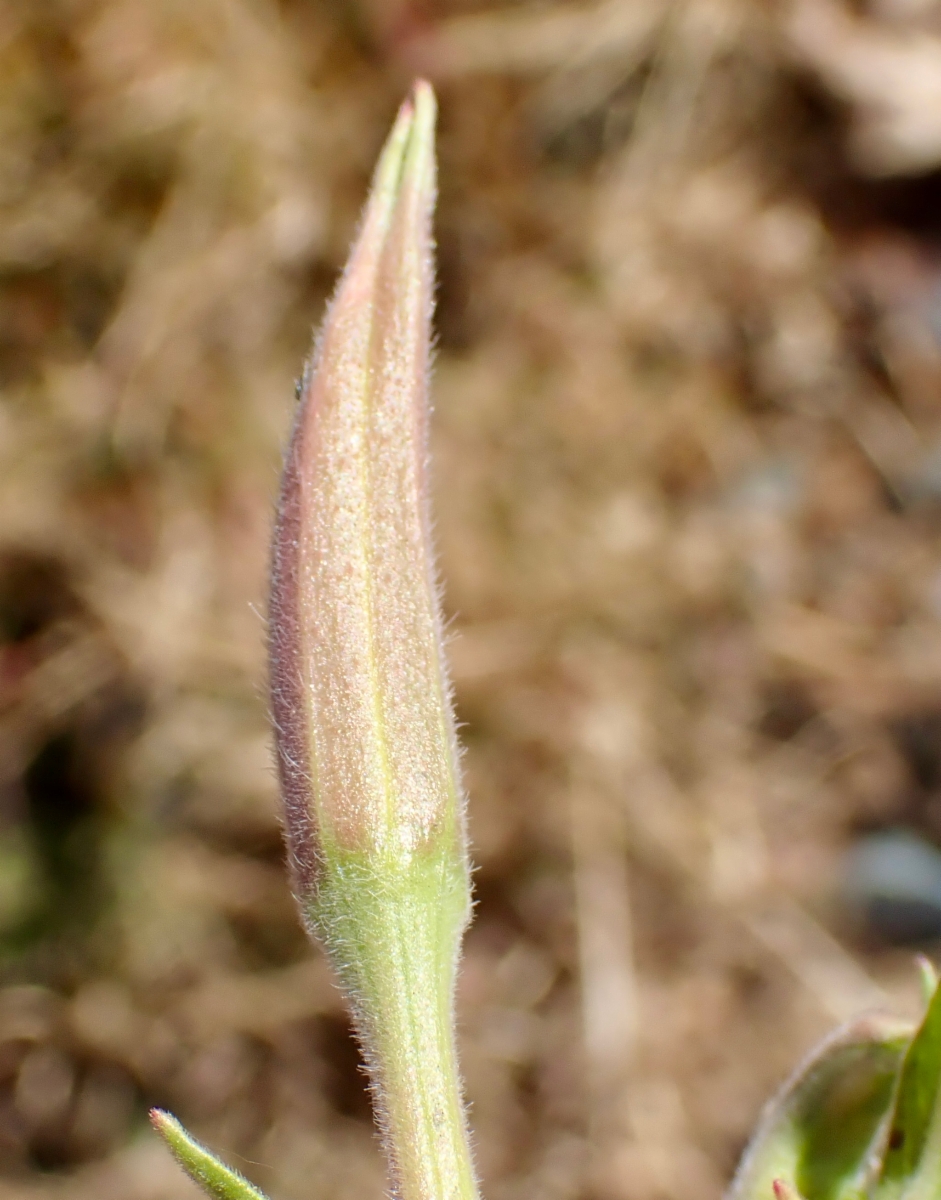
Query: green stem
(393, 929)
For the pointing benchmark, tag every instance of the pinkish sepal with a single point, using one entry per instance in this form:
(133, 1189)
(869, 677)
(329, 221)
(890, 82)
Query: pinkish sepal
(364, 729)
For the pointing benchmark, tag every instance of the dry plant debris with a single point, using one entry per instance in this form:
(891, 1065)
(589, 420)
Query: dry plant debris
(688, 458)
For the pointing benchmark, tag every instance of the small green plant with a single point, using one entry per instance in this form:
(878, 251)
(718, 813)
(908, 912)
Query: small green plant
(860, 1118)
(374, 816)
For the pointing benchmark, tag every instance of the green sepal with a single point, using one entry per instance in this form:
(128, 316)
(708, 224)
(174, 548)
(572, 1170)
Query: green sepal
(911, 1167)
(202, 1166)
(820, 1136)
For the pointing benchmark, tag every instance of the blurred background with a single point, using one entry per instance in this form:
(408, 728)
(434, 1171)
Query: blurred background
(687, 446)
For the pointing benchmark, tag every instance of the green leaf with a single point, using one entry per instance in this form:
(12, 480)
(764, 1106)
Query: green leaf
(912, 1164)
(202, 1166)
(817, 1137)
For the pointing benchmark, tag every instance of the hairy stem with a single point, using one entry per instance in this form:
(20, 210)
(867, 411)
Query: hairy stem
(394, 935)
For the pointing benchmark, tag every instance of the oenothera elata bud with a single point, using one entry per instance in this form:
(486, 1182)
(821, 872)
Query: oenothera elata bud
(364, 729)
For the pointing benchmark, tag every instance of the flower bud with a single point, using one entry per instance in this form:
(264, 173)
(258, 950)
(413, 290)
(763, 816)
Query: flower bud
(363, 724)
(364, 729)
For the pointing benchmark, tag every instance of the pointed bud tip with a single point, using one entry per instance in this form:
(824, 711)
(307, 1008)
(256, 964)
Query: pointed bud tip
(421, 96)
